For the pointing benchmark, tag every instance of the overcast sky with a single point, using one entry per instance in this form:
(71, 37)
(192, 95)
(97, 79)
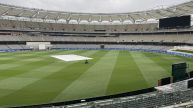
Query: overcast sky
(94, 6)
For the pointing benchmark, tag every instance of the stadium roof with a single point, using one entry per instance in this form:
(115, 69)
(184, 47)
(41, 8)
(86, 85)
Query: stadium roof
(16, 11)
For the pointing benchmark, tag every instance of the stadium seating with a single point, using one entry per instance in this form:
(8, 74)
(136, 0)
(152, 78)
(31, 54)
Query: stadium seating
(128, 38)
(149, 100)
(27, 25)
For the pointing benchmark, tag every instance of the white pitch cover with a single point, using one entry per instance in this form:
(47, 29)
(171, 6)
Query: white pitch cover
(71, 57)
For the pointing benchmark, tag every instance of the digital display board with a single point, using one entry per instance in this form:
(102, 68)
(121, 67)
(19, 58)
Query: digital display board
(175, 22)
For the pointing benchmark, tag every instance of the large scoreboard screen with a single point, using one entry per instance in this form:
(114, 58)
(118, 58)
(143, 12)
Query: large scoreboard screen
(175, 22)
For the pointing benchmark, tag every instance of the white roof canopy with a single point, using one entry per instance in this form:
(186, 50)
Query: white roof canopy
(16, 11)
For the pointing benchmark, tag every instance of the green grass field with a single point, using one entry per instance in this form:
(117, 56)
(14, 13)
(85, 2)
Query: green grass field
(28, 78)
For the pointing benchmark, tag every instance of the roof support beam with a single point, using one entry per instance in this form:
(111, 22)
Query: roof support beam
(141, 17)
(181, 11)
(6, 12)
(20, 14)
(190, 9)
(100, 19)
(68, 18)
(34, 15)
(57, 17)
(90, 19)
(110, 19)
(79, 20)
(189, 6)
(131, 19)
(157, 15)
(161, 14)
(151, 15)
(46, 16)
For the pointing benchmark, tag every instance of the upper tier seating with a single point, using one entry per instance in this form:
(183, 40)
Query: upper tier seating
(186, 38)
(27, 25)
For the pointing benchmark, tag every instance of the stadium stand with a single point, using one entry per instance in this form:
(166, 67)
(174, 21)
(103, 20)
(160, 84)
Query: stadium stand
(174, 95)
(184, 38)
(27, 25)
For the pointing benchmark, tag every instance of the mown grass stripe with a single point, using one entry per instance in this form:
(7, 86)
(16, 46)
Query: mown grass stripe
(43, 83)
(126, 75)
(15, 58)
(94, 81)
(11, 69)
(151, 71)
(16, 82)
(51, 68)
(42, 87)
(166, 61)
